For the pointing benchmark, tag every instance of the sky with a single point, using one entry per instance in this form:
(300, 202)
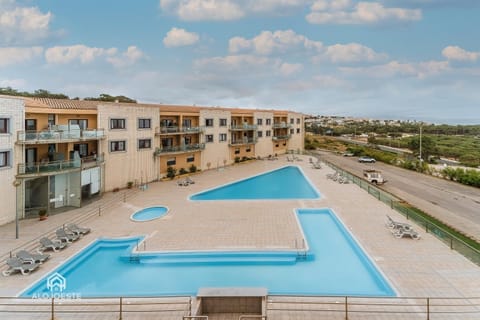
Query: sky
(382, 59)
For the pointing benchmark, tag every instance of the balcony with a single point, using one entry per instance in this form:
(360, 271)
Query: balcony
(243, 127)
(281, 125)
(180, 149)
(58, 136)
(243, 141)
(48, 168)
(282, 137)
(178, 130)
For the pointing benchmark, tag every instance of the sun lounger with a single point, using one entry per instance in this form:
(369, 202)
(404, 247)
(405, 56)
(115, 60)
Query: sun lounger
(54, 245)
(63, 235)
(401, 232)
(189, 180)
(392, 224)
(16, 264)
(182, 183)
(77, 229)
(28, 257)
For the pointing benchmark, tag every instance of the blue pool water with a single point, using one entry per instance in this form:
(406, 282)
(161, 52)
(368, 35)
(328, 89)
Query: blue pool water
(334, 265)
(150, 213)
(285, 183)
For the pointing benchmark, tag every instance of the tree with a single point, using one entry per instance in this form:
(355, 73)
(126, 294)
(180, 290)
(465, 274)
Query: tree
(429, 147)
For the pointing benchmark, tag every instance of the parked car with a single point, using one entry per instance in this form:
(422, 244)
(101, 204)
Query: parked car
(348, 154)
(365, 159)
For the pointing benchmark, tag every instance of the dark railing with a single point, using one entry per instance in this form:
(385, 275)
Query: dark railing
(176, 129)
(282, 137)
(58, 166)
(243, 127)
(178, 149)
(54, 136)
(243, 141)
(280, 125)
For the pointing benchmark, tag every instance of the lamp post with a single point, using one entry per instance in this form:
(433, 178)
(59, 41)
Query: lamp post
(421, 142)
(16, 183)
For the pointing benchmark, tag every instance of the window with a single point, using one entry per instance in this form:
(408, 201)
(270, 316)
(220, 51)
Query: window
(292, 131)
(248, 149)
(82, 123)
(4, 125)
(167, 142)
(292, 121)
(209, 138)
(222, 137)
(187, 123)
(31, 124)
(259, 122)
(268, 133)
(116, 146)
(82, 149)
(298, 130)
(144, 123)
(237, 151)
(117, 123)
(223, 122)
(298, 120)
(4, 159)
(51, 120)
(191, 158)
(268, 122)
(144, 143)
(260, 134)
(209, 122)
(171, 161)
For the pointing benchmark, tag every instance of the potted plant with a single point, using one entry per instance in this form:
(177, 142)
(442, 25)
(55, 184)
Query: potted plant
(129, 184)
(42, 214)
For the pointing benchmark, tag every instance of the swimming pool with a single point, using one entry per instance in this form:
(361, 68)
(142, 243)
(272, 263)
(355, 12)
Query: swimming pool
(150, 213)
(334, 265)
(285, 183)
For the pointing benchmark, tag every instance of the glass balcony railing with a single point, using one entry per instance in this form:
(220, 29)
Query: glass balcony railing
(243, 127)
(55, 167)
(175, 129)
(279, 125)
(55, 136)
(282, 137)
(243, 141)
(180, 149)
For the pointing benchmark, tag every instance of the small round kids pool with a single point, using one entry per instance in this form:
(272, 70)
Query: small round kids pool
(151, 213)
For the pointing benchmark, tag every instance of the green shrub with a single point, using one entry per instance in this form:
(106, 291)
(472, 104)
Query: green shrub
(237, 159)
(192, 168)
(244, 158)
(171, 172)
(182, 171)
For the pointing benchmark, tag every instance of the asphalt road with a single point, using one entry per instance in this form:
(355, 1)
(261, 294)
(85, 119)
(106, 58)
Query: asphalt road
(455, 204)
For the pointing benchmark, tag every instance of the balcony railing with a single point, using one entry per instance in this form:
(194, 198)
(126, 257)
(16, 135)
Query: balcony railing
(55, 136)
(279, 125)
(55, 167)
(243, 127)
(283, 137)
(180, 149)
(243, 141)
(175, 129)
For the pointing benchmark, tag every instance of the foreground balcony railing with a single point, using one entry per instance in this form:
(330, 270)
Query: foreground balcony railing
(243, 127)
(55, 136)
(283, 137)
(180, 149)
(176, 129)
(55, 167)
(279, 125)
(243, 141)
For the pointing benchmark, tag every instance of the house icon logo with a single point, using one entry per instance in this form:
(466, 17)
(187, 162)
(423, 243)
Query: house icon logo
(56, 283)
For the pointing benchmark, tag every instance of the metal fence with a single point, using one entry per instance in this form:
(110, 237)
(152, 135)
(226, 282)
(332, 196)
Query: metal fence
(454, 242)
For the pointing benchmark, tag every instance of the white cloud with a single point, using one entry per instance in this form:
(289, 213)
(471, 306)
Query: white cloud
(180, 37)
(13, 83)
(352, 52)
(459, 54)
(268, 42)
(394, 68)
(85, 55)
(22, 24)
(198, 10)
(346, 12)
(15, 55)
(127, 58)
(287, 69)
(232, 62)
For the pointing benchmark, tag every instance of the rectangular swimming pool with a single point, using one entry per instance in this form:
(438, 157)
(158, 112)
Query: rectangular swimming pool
(334, 265)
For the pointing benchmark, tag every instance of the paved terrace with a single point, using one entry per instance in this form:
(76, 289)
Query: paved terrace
(423, 268)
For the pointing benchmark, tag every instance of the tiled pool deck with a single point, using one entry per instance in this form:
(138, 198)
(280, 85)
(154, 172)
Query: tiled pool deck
(424, 268)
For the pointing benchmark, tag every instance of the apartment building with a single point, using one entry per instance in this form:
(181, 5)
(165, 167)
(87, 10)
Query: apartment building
(61, 153)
